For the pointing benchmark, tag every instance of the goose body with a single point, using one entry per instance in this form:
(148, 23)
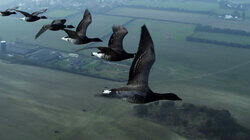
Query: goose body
(8, 12)
(79, 36)
(56, 25)
(114, 51)
(137, 89)
(32, 17)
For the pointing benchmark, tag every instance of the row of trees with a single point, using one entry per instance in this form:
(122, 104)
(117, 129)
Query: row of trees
(202, 28)
(173, 9)
(202, 40)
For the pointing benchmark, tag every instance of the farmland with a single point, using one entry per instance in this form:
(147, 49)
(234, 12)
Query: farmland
(38, 101)
(189, 5)
(189, 18)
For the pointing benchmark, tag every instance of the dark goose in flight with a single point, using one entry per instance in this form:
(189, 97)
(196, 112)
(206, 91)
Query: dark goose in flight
(137, 89)
(79, 36)
(32, 17)
(8, 12)
(56, 25)
(114, 51)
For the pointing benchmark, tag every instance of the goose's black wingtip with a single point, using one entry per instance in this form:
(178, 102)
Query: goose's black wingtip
(87, 11)
(144, 27)
(144, 30)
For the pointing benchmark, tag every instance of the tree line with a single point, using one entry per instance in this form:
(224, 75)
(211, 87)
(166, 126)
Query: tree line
(172, 9)
(203, 28)
(202, 40)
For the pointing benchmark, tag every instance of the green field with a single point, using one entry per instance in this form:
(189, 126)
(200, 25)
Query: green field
(60, 13)
(188, 5)
(197, 6)
(183, 17)
(223, 37)
(35, 102)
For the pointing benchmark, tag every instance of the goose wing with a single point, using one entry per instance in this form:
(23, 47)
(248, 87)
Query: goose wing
(44, 28)
(11, 9)
(24, 13)
(59, 21)
(116, 39)
(39, 12)
(144, 59)
(83, 25)
(71, 34)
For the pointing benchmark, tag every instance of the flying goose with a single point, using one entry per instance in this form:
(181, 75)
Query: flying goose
(32, 17)
(8, 12)
(137, 89)
(56, 25)
(114, 51)
(79, 36)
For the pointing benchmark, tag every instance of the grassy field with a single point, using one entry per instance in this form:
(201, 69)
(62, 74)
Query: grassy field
(197, 6)
(35, 102)
(60, 13)
(223, 37)
(183, 17)
(188, 5)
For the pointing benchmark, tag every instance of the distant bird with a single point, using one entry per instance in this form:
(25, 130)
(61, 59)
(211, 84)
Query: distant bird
(79, 36)
(137, 89)
(8, 12)
(32, 17)
(114, 51)
(56, 25)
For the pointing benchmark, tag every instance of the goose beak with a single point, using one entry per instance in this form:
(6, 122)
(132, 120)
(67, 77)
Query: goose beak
(179, 99)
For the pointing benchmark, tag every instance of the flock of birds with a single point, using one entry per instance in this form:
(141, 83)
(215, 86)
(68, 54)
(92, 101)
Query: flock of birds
(137, 89)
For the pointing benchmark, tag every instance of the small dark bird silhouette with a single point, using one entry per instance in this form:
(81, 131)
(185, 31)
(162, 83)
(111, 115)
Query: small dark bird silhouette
(56, 25)
(114, 51)
(32, 17)
(137, 89)
(8, 12)
(79, 36)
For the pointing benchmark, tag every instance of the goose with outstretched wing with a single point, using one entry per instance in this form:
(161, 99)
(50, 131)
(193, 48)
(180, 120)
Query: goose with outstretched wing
(79, 36)
(137, 89)
(32, 17)
(55, 25)
(114, 51)
(9, 12)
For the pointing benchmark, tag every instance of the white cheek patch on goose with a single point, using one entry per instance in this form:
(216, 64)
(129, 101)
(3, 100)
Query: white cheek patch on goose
(99, 55)
(22, 18)
(65, 38)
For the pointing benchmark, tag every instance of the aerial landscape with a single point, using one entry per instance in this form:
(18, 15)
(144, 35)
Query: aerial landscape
(64, 69)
